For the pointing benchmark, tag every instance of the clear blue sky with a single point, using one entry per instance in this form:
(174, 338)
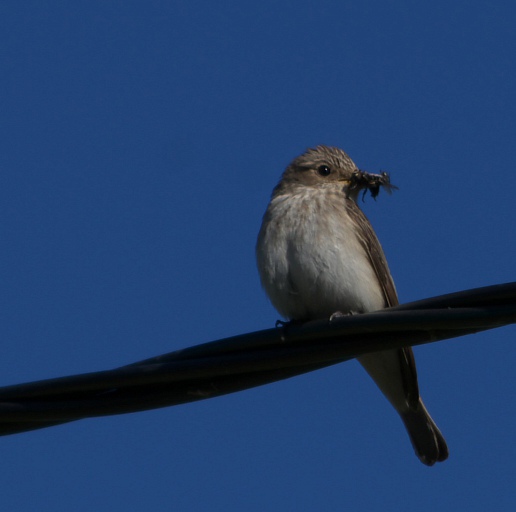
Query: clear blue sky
(140, 141)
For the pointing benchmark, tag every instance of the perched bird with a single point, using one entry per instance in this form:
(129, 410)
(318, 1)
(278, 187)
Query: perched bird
(317, 255)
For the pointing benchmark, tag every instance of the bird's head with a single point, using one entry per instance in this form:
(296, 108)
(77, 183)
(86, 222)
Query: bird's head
(330, 167)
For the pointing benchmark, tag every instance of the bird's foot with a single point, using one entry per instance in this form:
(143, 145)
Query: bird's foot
(340, 314)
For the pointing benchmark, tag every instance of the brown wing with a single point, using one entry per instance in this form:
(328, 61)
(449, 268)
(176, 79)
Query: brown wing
(374, 250)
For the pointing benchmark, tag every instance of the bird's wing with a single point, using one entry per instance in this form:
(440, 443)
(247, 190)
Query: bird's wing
(374, 251)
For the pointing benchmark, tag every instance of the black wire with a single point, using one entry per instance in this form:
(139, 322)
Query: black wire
(241, 362)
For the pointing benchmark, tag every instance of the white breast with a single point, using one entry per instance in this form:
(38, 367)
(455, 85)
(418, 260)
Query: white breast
(310, 260)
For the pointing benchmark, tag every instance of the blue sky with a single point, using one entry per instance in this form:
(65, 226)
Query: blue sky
(140, 142)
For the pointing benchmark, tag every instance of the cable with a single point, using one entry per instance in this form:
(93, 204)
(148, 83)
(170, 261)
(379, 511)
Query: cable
(248, 360)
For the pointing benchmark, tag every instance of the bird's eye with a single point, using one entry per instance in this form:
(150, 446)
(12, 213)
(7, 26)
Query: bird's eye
(324, 170)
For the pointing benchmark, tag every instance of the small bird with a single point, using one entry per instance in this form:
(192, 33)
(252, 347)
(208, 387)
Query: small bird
(318, 255)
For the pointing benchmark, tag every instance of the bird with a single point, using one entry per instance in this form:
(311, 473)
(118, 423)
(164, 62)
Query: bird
(318, 255)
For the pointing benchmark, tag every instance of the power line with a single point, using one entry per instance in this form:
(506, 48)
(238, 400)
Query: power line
(248, 360)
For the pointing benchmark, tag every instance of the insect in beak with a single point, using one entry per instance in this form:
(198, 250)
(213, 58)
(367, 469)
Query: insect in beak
(371, 182)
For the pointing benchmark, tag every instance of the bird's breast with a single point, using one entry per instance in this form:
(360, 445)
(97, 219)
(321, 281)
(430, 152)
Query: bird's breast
(310, 258)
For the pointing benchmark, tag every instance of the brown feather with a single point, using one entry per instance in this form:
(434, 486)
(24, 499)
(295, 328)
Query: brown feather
(374, 251)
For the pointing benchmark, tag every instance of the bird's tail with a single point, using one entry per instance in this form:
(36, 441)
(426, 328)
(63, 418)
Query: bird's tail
(426, 438)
